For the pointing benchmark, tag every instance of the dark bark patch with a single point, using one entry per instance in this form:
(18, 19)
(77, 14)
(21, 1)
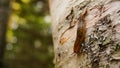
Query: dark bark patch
(118, 11)
(95, 62)
(102, 47)
(70, 16)
(107, 66)
(59, 55)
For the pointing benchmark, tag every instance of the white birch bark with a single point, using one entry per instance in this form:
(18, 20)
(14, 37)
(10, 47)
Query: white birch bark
(102, 42)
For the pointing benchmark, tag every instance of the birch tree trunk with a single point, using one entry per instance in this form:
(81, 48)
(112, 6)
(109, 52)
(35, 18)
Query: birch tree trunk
(94, 25)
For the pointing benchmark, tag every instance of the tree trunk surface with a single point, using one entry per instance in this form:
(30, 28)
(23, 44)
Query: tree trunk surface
(86, 33)
(4, 14)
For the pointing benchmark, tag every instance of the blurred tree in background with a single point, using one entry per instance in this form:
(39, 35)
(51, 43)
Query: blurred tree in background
(29, 41)
(4, 15)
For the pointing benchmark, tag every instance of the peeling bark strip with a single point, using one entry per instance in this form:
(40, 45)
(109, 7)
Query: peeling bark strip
(97, 37)
(62, 38)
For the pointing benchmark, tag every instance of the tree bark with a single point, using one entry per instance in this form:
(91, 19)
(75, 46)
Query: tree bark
(4, 14)
(86, 33)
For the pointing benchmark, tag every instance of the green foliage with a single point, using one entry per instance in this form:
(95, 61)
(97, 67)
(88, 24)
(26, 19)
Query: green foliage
(29, 35)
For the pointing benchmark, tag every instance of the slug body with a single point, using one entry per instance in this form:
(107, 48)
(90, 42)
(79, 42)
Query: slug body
(81, 33)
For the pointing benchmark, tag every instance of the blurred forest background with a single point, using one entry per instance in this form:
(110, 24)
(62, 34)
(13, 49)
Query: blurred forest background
(28, 34)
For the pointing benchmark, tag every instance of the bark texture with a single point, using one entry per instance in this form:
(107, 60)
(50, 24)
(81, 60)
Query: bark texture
(101, 48)
(4, 13)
